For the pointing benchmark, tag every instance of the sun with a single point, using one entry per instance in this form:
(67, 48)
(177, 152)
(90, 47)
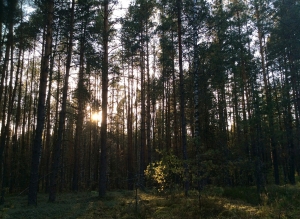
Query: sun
(96, 117)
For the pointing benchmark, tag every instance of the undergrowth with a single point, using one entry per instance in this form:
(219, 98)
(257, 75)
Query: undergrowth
(214, 202)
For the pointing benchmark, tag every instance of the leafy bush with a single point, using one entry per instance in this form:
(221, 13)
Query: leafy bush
(166, 173)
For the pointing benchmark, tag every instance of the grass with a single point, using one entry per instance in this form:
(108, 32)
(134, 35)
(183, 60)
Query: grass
(241, 202)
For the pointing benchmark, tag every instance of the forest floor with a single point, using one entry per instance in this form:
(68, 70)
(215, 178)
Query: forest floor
(215, 202)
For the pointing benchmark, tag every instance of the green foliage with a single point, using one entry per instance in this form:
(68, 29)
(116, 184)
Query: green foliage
(164, 173)
(82, 93)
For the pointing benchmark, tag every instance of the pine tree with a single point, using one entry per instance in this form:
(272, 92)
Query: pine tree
(37, 144)
(62, 116)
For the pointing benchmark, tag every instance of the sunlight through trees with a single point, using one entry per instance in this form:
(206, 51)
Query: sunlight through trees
(153, 94)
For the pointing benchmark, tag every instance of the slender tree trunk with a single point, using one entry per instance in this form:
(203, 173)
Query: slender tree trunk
(5, 135)
(15, 143)
(182, 102)
(4, 69)
(10, 112)
(148, 119)
(143, 113)
(46, 154)
(269, 99)
(103, 133)
(196, 97)
(47, 142)
(1, 23)
(118, 161)
(80, 116)
(55, 128)
(130, 150)
(62, 115)
(176, 138)
(37, 144)
(289, 130)
(168, 115)
(153, 103)
(3, 138)
(17, 88)
(23, 156)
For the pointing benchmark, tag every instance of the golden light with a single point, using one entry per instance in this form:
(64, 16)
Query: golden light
(96, 117)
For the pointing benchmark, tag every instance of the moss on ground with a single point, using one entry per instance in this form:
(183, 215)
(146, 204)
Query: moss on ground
(279, 202)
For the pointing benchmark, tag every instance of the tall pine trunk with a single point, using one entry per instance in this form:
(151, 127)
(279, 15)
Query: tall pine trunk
(130, 149)
(37, 144)
(182, 101)
(143, 112)
(103, 133)
(268, 96)
(62, 115)
(80, 114)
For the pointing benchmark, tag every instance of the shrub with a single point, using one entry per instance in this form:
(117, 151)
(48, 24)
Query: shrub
(166, 173)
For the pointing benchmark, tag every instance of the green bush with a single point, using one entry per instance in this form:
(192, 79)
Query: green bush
(165, 174)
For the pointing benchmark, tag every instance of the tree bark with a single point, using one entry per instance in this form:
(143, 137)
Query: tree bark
(103, 133)
(62, 115)
(37, 144)
(130, 150)
(80, 114)
(182, 101)
(143, 111)
(269, 98)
